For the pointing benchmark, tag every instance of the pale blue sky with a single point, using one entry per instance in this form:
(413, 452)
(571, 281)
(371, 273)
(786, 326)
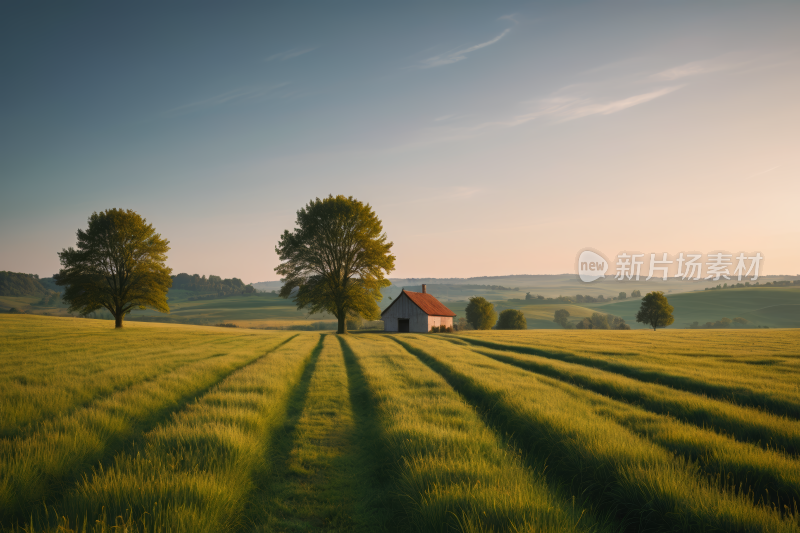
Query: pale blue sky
(492, 138)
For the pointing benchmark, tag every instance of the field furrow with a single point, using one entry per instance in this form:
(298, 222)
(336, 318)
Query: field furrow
(55, 376)
(769, 475)
(745, 424)
(196, 472)
(322, 478)
(769, 393)
(643, 483)
(448, 470)
(39, 466)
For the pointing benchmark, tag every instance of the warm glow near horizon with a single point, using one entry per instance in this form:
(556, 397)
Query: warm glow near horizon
(490, 139)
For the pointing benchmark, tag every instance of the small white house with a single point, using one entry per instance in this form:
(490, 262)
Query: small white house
(416, 312)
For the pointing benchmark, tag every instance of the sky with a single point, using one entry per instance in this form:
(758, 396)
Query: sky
(491, 138)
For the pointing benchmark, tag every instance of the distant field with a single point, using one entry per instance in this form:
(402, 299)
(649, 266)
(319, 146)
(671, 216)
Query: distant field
(161, 427)
(761, 306)
(777, 307)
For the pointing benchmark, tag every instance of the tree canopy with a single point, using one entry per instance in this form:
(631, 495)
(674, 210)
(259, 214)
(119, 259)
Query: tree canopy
(561, 317)
(481, 313)
(336, 259)
(655, 311)
(118, 265)
(19, 284)
(222, 287)
(512, 319)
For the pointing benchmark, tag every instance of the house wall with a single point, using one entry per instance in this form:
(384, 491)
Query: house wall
(439, 321)
(418, 321)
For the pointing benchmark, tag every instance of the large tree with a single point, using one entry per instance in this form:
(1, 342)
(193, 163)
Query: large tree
(481, 313)
(118, 265)
(335, 260)
(655, 310)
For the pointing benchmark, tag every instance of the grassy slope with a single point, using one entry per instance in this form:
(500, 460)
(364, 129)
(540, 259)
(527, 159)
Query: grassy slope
(323, 477)
(283, 437)
(773, 307)
(587, 446)
(90, 375)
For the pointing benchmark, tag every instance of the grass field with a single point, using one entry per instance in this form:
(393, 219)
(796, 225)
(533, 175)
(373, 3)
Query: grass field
(162, 427)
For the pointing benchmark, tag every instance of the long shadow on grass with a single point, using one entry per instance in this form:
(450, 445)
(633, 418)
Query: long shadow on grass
(697, 416)
(370, 443)
(282, 442)
(505, 426)
(33, 427)
(113, 446)
(770, 485)
(731, 394)
(356, 476)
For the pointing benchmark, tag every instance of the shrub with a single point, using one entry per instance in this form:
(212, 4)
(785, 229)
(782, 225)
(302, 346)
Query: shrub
(512, 319)
(599, 321)
(481, 313)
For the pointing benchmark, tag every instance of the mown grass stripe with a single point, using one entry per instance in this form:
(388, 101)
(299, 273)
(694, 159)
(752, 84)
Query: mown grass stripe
(449, 471)
(771, 476)
(737, 394)
(95, 389)
(645, 485)
(51, 378)
(197, 472)
(745, 424)
(322, 480)
(43, 465)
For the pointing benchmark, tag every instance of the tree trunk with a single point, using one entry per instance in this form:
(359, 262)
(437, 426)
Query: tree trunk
(118, 321)
(342, 324)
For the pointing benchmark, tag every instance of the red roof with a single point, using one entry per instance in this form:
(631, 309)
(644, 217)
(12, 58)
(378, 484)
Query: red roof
(427, 302)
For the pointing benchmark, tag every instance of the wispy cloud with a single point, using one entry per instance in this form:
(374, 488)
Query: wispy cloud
(290, 54)
(694, 68)
(236, 95)
(562, 106)
(565, 108)
(458, 55)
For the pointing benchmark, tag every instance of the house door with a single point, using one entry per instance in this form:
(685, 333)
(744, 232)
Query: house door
(402, 325)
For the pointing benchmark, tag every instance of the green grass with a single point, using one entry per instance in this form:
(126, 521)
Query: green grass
(324, 476)
(196, 472)
(39, 463)
(713, 363)
(449, 470)
(641, 481)
(178, 428)
(725, 439)
(777, 307)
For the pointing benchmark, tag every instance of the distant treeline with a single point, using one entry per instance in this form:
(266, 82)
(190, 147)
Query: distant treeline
(737, 322)
(19, 284)
(457, 287)
(776, 283)
(215, 284)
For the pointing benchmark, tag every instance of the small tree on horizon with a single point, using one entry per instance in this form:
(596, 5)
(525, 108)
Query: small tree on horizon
(512, 319)
(118, 265)
(481, 313)
(655, 311)
(561, 317)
